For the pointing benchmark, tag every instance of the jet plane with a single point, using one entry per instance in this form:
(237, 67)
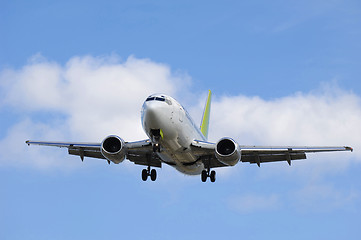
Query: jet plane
(174, 139)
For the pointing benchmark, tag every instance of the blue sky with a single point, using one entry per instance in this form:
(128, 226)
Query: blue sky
(281, 73)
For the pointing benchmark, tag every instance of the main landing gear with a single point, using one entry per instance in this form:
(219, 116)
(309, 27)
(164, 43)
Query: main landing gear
(147, 172)
(152, 173)
(207, 173)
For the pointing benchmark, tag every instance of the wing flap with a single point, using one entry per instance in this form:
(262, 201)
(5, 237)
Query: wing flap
(85, 153)
(145, 159)
(262, 154)
(263, 158)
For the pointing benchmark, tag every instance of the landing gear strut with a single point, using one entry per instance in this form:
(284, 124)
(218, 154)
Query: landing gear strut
(156, 147)
(147, 172)
(207, 173)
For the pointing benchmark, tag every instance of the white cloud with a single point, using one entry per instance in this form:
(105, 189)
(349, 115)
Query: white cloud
(91, 97)
(97, 95)
(94, 97)
(14, 152)
(329, 117)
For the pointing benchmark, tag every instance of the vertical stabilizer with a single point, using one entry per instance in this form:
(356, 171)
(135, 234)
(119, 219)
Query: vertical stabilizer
(206, 114)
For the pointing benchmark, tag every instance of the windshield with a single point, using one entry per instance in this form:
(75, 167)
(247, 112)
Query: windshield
(162, 99)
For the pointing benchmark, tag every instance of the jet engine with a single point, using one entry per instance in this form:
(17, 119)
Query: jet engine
(228, 151)
(113, 149)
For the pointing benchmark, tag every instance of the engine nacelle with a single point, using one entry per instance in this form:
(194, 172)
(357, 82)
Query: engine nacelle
(113, 149)
(228, 151)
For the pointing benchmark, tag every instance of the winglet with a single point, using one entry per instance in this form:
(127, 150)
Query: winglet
(206, 114)
(349, 148)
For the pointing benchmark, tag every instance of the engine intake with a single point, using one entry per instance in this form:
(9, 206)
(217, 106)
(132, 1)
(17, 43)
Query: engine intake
(228, 151)
(113, 149)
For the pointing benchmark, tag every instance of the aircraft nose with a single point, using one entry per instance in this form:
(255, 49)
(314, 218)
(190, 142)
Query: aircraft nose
(152, 112)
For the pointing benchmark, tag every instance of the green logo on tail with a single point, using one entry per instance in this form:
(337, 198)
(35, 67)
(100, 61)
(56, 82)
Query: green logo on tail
(206, 114)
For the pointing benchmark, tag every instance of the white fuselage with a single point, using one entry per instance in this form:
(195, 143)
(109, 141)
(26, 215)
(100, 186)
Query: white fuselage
(163, 113)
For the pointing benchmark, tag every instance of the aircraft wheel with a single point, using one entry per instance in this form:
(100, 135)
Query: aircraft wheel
(144, 175)
(204, 176)
(153, 175)
(213, 176)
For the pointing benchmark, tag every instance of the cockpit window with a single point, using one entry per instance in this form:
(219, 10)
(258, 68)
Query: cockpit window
(161, 99)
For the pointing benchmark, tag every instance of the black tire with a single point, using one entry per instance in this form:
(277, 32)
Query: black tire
(153, 175)
(213, 176)
(144, 175)
(204, 176)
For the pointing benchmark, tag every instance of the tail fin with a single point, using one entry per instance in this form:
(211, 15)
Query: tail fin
(206, 114)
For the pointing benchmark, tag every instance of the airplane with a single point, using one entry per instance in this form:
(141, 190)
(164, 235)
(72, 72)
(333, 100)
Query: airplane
(175, 140)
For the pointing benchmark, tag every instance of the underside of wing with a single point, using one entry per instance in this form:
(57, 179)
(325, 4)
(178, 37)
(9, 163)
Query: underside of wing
(258, 154)
(263, 154)
(74, 148)
(140, 152)
(205, 151)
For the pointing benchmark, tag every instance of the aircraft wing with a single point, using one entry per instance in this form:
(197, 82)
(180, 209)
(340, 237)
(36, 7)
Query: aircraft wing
(260, 154)
(139, 152)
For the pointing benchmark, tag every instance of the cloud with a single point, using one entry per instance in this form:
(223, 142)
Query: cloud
(89, 98)
(330, 116)
(96, 94)
(14, 152)
(86, 99)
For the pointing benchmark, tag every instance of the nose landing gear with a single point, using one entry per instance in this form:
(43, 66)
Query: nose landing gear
(156, 135)
(156, 147)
